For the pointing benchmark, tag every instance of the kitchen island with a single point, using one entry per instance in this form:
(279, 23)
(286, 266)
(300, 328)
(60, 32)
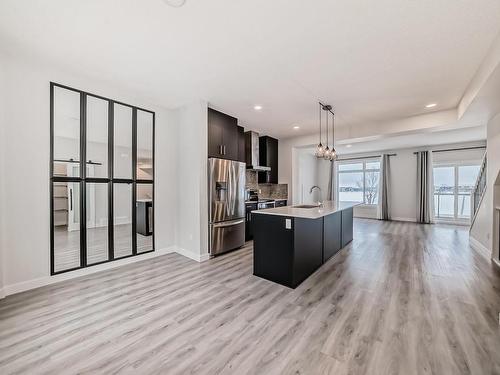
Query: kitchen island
(292, 242)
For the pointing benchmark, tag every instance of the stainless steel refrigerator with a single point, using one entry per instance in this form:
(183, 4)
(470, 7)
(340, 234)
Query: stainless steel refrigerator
(226, 204)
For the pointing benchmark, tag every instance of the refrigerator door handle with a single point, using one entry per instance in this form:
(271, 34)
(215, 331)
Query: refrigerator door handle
(228, 223)
(228, 191)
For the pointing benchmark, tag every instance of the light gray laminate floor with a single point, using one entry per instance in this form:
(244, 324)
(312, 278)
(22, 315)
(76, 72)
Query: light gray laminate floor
(402, 298)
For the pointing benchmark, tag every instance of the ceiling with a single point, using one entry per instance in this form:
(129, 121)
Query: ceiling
(372, 60)
(407, 141)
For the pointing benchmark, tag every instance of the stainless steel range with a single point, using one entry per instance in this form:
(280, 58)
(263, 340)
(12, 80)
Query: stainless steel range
(226, 200)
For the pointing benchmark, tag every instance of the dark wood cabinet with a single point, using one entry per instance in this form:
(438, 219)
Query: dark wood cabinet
(268, 155)
(241, 144)
(223, 136)
(215, 129)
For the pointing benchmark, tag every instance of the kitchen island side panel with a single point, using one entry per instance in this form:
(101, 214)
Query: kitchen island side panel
(308, 248)
(332, 235)
(347, 224)
(273, 248)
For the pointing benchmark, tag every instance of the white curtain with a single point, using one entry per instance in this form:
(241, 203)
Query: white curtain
(425, 188)
(383, 208)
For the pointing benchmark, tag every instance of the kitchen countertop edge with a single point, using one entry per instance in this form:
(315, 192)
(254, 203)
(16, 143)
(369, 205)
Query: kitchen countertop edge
(328, 208)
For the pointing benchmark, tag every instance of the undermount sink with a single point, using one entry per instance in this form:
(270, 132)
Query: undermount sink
(306, 206)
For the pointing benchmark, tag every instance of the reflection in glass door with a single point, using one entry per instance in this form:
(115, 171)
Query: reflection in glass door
(102, 170)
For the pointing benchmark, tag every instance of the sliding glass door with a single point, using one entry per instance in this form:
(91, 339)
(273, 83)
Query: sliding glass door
(453, 185)
(102, 179)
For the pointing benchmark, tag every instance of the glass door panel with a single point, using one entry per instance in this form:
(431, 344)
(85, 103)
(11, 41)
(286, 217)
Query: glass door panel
(144, 217)
(122, 141)
(97, 135)
(66, 128)
(144, 145)
(444, 192)
(122, 219)
(97, 222)
(453, 185)
(66, 225)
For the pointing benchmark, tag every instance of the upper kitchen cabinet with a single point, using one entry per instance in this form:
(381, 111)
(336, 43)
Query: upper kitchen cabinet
(268, 155)
(223, 136)
(241, 144)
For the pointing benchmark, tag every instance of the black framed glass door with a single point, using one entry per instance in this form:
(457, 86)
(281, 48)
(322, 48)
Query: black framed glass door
(101, 179)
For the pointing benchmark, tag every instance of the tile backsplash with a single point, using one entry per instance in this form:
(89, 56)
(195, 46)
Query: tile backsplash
(274, 191)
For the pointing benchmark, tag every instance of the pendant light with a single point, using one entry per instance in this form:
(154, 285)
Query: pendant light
(333, 152)
(320, 151)
(327, 153)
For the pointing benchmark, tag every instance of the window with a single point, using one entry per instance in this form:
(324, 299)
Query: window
(357, 181)
(453, 185)
(102, 179)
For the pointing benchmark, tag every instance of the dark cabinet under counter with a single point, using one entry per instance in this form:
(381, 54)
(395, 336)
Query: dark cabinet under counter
(291, 243)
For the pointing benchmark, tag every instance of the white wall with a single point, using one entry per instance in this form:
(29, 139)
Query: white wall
(307, 176)
(192, 208)
(485, 228)
(25, 150)
(2, 170)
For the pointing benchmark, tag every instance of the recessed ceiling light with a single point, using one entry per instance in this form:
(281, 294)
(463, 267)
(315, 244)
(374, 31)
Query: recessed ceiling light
(431, 105)
(257, 107)
(348, 146)
(175, 3)
(296, 127)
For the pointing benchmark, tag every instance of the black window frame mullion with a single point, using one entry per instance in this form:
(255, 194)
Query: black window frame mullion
(51, 180)
(111, 161)
(83, 179)
(134, 178)
(83, 183)
(152, 182)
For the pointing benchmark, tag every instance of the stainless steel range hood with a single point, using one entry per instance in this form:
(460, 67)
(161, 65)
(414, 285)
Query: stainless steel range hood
(252, 152)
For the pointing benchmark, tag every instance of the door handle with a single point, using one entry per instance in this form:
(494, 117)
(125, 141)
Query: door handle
(71, 199)
(229, 224)
(224, 148)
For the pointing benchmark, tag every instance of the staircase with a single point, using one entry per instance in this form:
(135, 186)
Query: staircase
(478, 191)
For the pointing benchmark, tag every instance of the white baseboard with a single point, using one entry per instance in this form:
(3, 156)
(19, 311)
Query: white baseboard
(192, 255)
(480, 248)
(410, 219)
(47, 280)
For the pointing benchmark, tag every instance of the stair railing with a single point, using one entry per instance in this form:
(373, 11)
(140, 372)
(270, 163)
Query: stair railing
(479, 190)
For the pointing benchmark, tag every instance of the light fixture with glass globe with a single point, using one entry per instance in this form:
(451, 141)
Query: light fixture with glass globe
(333, 152)
(324, 152)
(320, 151)
(327, 153)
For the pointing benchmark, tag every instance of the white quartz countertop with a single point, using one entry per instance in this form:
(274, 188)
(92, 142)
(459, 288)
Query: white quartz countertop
(329, 207)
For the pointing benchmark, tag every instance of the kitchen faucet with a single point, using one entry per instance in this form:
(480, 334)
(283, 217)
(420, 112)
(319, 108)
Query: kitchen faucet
(320, 202)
